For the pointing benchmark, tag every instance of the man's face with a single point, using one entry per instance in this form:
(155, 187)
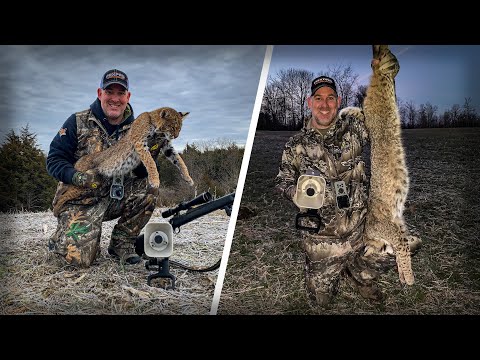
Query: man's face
(114, 100)
(324, 105)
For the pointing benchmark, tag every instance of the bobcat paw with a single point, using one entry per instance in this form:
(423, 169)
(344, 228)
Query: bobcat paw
(352, 111)
(153, 180)
(415, 243)
(408, 279)
(190, 181)
(154, 183)
(388, 64)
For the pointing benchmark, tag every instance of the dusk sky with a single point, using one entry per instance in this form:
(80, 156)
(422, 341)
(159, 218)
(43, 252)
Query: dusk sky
(43, 85)
(440, 74)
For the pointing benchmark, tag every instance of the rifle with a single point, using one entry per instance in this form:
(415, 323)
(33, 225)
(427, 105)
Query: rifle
(225, 202)
(157, 244)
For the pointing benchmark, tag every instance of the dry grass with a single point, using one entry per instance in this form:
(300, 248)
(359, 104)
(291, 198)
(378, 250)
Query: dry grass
(265, 267)
(30, 284)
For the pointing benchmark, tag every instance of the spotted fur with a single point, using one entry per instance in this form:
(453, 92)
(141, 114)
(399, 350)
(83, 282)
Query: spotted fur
(131, 150)
(385, 226)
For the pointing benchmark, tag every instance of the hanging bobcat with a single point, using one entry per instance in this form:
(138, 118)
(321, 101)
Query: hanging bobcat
(130, 151)
(385, 225)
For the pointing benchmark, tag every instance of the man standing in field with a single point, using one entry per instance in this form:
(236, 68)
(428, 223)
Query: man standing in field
(332, 143)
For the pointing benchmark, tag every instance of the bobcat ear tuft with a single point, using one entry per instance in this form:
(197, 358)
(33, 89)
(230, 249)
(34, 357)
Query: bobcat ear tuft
(184, 115)
(163, 114)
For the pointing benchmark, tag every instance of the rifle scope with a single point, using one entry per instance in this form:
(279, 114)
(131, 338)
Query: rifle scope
(200, 199)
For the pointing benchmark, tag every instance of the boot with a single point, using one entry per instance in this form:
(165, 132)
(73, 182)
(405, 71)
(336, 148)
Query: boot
(123, 250)
(368, 290)
(362, 276)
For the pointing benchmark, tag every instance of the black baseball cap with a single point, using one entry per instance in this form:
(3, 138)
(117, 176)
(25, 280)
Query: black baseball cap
(322, 81)
(114, 76)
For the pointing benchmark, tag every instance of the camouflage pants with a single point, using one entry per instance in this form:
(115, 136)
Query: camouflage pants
(328, 259)
(79, 229)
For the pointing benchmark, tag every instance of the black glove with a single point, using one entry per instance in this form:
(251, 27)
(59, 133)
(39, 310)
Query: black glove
(88, 179)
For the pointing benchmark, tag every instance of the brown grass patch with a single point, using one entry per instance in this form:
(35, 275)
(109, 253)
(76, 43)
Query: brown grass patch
(265, 268)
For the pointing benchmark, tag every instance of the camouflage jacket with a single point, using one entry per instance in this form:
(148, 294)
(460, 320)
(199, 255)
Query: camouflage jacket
(338, 155)
(81, 133)
(91, 136)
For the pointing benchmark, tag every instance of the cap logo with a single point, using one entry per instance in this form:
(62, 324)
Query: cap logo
(115, 75)
(323, 80)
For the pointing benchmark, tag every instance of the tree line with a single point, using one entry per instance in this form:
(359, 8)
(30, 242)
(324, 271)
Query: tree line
(25, 184)
(284, 103)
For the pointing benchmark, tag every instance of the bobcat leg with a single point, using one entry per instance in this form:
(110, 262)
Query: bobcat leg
(176, 160)
(180, 164)
(382, 236)
(149, 162)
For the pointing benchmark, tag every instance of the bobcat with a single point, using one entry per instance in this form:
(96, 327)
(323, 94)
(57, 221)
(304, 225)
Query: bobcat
(130, 150)
(385, 226)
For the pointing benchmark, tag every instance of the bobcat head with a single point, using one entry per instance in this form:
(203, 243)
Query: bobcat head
(167, 120)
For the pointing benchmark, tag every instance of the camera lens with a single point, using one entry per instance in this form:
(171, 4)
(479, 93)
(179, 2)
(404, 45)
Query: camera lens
(310, 191)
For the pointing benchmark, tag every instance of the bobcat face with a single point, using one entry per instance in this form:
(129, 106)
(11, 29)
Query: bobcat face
(168, 121)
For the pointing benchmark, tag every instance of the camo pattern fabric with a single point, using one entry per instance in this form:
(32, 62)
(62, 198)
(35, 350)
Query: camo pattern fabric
(78, 233)
(339, 154)
(92, 137)
(79, 229)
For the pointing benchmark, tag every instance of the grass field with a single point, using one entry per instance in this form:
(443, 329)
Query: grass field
(265, 268)
(31, 284)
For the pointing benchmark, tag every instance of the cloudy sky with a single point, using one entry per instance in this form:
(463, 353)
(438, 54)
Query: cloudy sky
(440, 74)
(43, 85)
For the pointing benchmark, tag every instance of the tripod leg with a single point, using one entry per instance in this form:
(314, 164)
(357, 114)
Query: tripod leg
(163, 272)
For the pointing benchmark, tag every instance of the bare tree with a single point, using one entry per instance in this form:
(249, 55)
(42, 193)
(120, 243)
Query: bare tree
(431, 115)
(445, 119)
(455, 115)
(284, 101)
(347, 82)
(411, 114)
(468, 112)
(360, 95)
(303, 80)
(270, 104)
(402, 110)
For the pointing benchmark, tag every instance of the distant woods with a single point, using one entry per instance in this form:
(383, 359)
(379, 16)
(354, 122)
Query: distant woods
(26, 186)
(284, 105)
(214, 166)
